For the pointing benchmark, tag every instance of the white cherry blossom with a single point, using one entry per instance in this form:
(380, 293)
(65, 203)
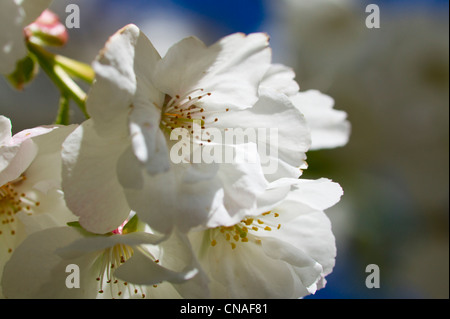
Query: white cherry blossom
(126, 263)
(30, 183)
(285, 252)
(120, 157)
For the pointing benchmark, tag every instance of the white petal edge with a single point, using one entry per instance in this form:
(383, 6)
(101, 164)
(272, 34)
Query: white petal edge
(329, 127)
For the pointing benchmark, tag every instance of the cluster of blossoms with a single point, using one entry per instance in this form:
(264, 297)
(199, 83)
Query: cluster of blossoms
(108, 196)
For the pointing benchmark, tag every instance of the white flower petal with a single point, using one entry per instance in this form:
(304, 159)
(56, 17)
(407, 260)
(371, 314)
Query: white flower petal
(12, 42)
(18, 151)
(281, 79)
(154, 274)
(90, 244)
(51, 212)
(35, 271)
(15, 159)
(329, 127)
(5, 130)
(281, 130)
(231, 69)
(200, 172)
(148, 141)
(129, 171)
(189, 197)
(166, 200)
(29, 133)
(246, 272)
(312, 234)
(118, 68)
(275, 194)
(242, 184)
(89, 179)
(178, 266)
(308, 270)
(45, 170)
(318, 194)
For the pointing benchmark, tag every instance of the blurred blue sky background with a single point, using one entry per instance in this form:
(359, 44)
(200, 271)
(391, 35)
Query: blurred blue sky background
(393, 83)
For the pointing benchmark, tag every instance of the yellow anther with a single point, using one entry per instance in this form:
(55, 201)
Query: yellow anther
(170, 114)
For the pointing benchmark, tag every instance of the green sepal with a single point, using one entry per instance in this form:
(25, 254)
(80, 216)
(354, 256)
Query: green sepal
(45, 39)
(25, 72)
(131, 226)
(77, 226)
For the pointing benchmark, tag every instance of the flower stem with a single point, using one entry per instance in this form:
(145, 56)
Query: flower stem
(63, 117)
(59, 76)
(76, 68)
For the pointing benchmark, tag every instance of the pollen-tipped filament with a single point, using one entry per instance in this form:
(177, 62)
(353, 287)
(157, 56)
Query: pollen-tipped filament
(244, 231)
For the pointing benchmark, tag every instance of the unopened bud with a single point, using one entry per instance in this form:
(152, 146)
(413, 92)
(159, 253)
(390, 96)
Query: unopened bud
(47, 30)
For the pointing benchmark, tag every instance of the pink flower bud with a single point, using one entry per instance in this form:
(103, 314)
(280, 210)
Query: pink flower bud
(47, 30)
